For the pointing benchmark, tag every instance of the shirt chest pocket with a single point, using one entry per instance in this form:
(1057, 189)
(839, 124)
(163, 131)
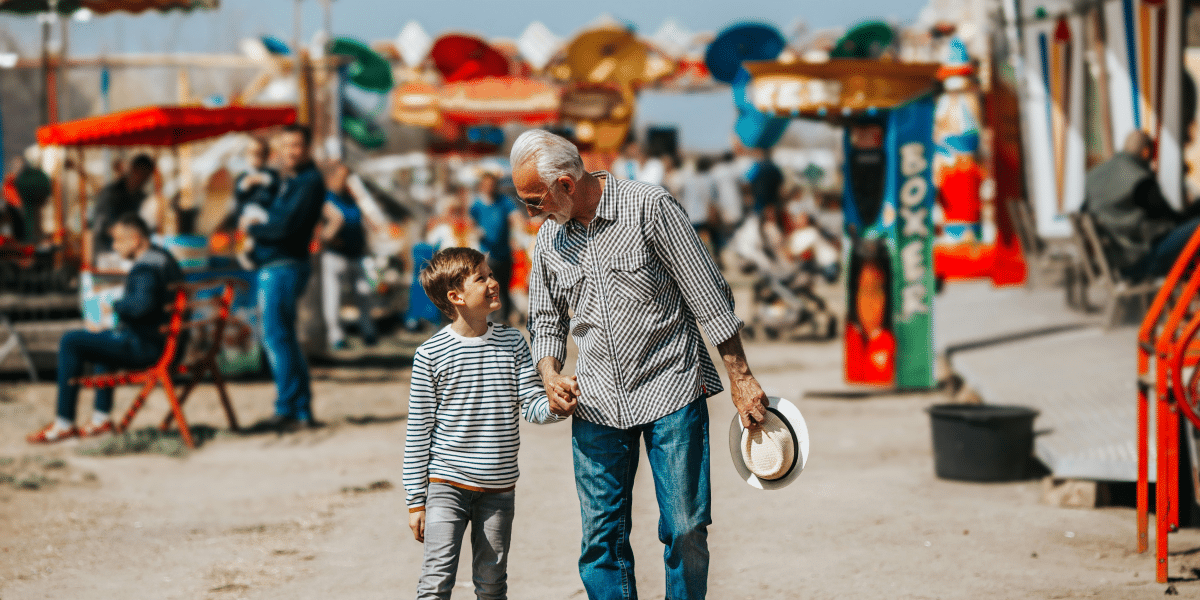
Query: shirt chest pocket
(635, 276)
(568, 284)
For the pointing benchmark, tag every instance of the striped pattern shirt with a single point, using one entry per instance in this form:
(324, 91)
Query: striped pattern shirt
(629, 288)
(463, 411)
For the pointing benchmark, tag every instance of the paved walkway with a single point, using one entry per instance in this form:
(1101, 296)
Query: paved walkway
(972, 313)
(1015, 346)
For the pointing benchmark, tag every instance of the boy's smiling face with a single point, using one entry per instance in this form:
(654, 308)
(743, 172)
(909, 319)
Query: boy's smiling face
(480, 293)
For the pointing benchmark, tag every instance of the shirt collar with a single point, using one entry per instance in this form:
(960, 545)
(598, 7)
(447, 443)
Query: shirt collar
(607, 209)
(472, 341)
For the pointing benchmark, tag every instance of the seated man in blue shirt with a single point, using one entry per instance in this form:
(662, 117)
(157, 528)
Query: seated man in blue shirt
(136, 343)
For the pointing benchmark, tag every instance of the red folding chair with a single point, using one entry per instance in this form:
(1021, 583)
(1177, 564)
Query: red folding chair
(169, 363)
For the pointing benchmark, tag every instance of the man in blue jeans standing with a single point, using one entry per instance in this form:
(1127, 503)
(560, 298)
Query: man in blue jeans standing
(281, 252)
(137, 341)
(618, 266)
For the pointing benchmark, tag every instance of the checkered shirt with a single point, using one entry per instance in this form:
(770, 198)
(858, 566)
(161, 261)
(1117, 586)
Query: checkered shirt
(630, 288)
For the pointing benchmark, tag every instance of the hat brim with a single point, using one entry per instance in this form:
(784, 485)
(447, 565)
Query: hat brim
(795, 421)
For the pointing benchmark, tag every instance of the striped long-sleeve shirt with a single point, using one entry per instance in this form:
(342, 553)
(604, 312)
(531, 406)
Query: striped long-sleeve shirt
(463, 411)
(630, 288)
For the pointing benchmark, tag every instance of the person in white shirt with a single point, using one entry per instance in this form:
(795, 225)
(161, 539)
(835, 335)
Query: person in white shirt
(699, 193)
(652, 172)
(727, 179)
(699, 198)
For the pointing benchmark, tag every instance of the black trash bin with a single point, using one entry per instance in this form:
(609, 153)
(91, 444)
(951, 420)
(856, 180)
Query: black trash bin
(981, 442)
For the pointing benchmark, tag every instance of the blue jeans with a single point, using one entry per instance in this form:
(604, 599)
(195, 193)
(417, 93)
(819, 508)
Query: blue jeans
(106, 351)
(280, 287)
(448, 510)
(1162, 257)
(606, 460)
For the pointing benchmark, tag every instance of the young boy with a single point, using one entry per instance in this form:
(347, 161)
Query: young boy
(460, 458)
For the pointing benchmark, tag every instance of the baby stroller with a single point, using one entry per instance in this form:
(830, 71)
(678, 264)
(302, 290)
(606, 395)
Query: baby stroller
(784, 303)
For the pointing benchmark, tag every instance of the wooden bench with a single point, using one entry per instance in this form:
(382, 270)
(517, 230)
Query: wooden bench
(1093, 266)
(207, 337)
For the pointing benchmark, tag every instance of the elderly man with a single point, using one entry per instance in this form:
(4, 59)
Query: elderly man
(619, 267)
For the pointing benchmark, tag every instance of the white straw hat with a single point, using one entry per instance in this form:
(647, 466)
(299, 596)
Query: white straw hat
(770, 456)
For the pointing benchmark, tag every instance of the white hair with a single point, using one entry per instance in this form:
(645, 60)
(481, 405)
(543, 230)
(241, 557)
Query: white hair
(553, 155)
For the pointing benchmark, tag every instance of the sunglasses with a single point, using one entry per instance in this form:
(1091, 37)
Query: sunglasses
(540, 201)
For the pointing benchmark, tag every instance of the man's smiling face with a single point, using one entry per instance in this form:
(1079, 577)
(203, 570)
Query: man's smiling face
(552, 201)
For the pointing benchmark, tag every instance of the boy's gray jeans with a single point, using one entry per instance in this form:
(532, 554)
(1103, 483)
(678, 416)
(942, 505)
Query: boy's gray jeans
(447, 511)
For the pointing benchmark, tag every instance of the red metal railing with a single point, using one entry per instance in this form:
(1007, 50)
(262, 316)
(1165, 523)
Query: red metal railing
(1164, 342)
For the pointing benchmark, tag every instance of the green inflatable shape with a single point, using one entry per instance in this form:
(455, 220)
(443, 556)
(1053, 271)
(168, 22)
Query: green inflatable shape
(364, 132)
(868, 39)
(369, 71)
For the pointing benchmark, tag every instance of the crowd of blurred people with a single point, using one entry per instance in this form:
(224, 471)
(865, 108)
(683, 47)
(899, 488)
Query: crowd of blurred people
(751, 214)
(742, 197)
(287, 215)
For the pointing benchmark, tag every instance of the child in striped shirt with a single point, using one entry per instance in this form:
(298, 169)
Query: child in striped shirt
(469, 382)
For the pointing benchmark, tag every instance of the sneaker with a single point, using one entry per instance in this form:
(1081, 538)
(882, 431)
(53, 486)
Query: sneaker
(94, 429)
(50, 434)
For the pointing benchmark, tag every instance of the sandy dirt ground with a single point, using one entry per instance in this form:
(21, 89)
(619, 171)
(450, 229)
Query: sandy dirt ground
(320, 514)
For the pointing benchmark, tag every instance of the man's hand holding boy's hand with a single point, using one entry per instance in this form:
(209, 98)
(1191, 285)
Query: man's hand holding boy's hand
(416, 522)
(563, 393)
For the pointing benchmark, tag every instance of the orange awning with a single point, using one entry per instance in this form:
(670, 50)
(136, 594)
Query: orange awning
(162, 125)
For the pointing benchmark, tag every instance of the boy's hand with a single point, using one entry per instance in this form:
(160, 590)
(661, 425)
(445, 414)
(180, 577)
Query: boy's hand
(563, 393)
(416, 522)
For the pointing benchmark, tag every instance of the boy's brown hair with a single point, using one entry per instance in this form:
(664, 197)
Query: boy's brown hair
(446, 271)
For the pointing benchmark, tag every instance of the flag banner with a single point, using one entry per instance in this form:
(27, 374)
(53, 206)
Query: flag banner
(910, 184)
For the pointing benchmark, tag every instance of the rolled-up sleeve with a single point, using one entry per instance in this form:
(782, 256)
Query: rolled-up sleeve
(704, 289)
(548, 320)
